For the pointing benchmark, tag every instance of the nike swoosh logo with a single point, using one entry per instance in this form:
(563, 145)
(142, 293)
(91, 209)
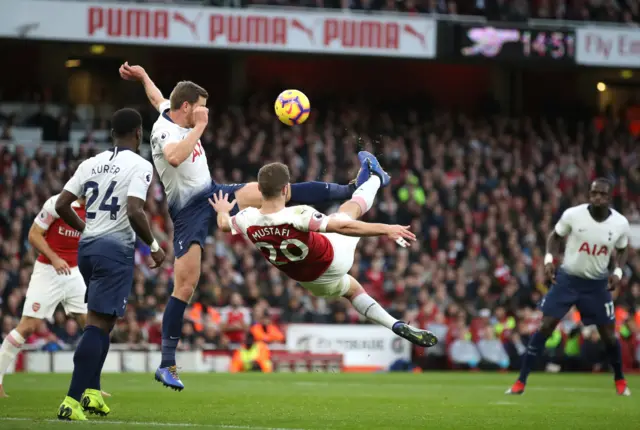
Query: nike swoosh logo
(173, 338)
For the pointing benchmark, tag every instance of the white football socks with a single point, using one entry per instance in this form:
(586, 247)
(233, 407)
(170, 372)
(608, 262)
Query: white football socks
(366, 193)
(367, 306)
(9, 350)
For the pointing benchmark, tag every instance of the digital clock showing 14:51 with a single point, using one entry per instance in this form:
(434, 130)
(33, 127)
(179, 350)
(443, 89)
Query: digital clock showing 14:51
(517, 44)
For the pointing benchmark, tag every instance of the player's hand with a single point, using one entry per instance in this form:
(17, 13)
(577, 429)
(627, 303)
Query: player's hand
(132, 73)
(201, 115)
(400, 234)
(550, 272)
(614, 282)
(61, 266)
(221, 203)
(158, 258)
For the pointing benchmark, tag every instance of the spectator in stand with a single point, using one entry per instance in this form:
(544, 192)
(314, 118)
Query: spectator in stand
(235, 319)
(266, 331)
(252, 356)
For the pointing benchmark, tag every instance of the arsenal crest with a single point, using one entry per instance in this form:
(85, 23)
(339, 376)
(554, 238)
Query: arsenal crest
(35, 307)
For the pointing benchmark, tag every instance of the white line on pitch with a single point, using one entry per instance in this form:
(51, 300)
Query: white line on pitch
(472, 387)
(157, 424)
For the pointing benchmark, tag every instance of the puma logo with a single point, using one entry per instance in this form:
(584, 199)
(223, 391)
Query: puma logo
(191, 25)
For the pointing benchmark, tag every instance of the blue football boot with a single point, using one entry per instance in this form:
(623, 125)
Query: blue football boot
(371, 166)
(365, 168)
(168, 376)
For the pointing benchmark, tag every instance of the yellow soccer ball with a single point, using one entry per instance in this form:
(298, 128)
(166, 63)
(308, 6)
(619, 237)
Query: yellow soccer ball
(292, 107)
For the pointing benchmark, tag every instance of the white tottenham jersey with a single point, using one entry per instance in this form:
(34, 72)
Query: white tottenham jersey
(106, 181)
(189, 178)
(590, 243)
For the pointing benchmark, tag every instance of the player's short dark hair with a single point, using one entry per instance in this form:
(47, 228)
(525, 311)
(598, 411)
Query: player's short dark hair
(604, 181)
(125, 122)
(186, 91)
(272, 178)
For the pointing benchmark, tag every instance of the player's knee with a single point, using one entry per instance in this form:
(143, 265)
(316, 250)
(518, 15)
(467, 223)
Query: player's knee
(102, 321)
(250, 196)
(355, 289)
(548, 326)
(28, 326)
(81, 319)
(607, 334)
(187, 273)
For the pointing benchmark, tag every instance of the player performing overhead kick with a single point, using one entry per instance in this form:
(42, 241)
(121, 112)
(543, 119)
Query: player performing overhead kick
(583, 280)
(318, 250)
(182, 165)
(115, 185)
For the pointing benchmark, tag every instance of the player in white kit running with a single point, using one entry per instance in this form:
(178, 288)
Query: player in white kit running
(181, 162)
(115, 185)
(318, 250)
(55, 280)
(594, 232)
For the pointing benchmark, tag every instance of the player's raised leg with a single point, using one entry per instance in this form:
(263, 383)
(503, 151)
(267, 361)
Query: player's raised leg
(361, 201)
(311, 193)
(371, 309)
(371, 177)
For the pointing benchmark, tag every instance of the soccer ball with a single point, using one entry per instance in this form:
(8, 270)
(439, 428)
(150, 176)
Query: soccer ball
(292, 107)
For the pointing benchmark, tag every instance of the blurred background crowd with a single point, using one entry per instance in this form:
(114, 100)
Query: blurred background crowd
(481, 187)
(625, 11)
(481, 193)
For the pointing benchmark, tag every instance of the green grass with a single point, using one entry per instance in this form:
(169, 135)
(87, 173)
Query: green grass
(332, 401)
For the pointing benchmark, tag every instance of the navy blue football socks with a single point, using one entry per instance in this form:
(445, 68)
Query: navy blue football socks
(310, 193)
(86, 361)
(529, 358)
(94, 383)
(615, 359)
(171, 330)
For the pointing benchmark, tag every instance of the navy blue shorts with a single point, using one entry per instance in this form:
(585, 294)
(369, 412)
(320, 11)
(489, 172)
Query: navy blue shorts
(590, 296)
(191, 223)
(108, 282)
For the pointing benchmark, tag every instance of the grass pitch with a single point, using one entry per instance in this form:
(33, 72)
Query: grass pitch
(332, 401)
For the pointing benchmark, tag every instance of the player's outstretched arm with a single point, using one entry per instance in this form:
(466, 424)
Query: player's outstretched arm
(362, 229)
(140, 224)
(66, 212)
(137, 73)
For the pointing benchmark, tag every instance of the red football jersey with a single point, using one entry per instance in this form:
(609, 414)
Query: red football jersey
(62, 238)
(289, 239)
(231, 315)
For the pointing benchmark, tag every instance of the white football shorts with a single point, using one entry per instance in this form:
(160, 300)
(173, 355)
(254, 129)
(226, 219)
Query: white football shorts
(47, 289)
(335, 281)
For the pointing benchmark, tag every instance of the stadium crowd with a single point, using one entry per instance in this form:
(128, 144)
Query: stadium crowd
(481, 194)
(625, 11)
